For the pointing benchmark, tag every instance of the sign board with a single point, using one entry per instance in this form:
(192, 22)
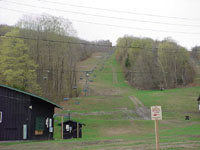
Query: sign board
(156, 113)
(51, 129)
(38, 132)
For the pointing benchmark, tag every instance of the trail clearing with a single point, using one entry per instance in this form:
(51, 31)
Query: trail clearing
(142, 111)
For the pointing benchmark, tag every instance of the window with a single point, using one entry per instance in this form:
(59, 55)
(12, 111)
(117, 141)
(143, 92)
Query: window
(1, 116)
(40, 123)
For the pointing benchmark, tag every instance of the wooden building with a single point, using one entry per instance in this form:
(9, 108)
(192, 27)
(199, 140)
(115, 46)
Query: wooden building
(24, 116)
(72, 129)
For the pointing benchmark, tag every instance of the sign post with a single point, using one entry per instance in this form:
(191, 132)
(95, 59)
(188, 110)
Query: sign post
(156, 114)
(157, 135)
(77, 130)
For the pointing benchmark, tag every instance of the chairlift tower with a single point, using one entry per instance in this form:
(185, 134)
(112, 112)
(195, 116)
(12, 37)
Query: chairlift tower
(86, 89)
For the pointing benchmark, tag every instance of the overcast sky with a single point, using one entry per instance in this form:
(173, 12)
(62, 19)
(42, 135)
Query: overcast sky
(185, 31)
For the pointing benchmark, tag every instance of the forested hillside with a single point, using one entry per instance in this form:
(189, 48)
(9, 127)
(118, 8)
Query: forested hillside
(149, 64)
(40, 55)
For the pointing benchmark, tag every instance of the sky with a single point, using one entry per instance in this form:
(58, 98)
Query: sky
(156, 19)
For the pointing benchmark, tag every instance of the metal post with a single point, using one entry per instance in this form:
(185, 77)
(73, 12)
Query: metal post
(86, 83)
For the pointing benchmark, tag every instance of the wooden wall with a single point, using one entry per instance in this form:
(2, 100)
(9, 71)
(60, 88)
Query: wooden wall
(15, 108)
(19, 109)
(44, 110)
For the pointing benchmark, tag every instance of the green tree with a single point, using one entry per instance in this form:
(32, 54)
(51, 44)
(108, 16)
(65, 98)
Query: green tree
(149, 64)
(17, 69)
(176, 64)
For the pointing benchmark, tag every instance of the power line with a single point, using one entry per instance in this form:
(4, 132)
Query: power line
(99, 45)
(118, 11)
(89, 71)
(102, 16)
(128, 27)
(90, 44)
(112, 25)
(56, 41)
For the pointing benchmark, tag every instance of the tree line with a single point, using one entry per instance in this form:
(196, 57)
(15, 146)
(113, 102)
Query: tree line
(37, 63)
(150, 64)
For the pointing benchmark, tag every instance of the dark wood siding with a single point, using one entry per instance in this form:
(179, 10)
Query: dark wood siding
(20, 109)
(73, 133)
(44, 110)
(15, 113)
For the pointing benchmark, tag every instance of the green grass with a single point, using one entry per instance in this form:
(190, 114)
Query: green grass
(99, 103)
(176, 103)
(108, 117)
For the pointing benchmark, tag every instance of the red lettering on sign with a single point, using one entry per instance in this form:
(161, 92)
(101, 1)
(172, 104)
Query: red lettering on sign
(156, 110)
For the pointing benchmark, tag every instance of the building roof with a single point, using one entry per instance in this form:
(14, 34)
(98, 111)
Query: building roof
(32, 95)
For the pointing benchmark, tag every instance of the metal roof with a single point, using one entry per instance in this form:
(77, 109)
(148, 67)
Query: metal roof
(30, 94)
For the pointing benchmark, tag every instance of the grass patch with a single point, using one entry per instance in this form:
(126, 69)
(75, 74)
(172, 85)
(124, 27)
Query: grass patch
(108, 112)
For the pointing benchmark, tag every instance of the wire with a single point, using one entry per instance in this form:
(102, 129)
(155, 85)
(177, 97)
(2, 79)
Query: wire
(112, 25)
(89, 71)
(128, 27)
(56, 41)
(102, 16)
(89, 44)
(117, 11)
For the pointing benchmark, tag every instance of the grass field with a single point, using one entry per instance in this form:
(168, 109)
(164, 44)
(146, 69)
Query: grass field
(111, 122)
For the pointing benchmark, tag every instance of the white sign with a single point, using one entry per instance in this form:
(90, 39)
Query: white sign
(51, 129)
(50, 122)
(156, 113)
(67, 127)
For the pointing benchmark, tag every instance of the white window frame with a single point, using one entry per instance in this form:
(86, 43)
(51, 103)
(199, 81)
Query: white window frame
(1, 116)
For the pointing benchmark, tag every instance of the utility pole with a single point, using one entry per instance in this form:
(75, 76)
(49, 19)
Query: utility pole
(126, 48)
(86, 83)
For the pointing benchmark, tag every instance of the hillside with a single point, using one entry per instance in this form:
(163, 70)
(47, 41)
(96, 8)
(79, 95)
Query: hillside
(150, 64)
(40, 55)
(117, 115)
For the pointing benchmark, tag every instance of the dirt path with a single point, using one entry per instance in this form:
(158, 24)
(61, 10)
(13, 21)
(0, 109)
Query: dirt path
(140, 109)
(90, 64)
